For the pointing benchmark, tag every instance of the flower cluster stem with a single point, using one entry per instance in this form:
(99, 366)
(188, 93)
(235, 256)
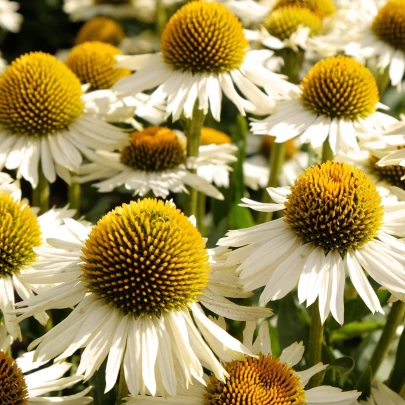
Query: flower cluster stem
(277, 157)
(327, 153)
(192, 130)
(40, 194)
(74, 196)
(315, 344)
(394, 319)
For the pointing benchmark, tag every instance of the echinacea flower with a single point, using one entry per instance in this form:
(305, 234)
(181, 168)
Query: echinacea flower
(43, 120)
(94, 62)
(153, 160)
(262, 380)
(21, 232)
(19, 385)
(338, 98)
(204, 53)
(334, 221)
(380, 35)
(102, 29)
(137, 280)
(10, 20)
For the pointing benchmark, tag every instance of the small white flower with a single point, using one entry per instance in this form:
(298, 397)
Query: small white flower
(184, 75)
(154, 159)
(382, 395)
(52, 129)
(145, 312)
(315, 113)
(334, 221)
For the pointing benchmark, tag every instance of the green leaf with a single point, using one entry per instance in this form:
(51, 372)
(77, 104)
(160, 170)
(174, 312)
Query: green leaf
(397, 379)
(343, 366)
(240, 217)
(355, 329)
(364, 384)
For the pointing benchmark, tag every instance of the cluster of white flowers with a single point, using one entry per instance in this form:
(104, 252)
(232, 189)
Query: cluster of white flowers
(144, 294)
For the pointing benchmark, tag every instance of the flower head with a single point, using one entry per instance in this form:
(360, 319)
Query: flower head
(12, 383)
(39, 96)
(204, 37)
(94, 63)
(103, 29)
(139, 277)
(162, 265)
(322, 8)
(334, 221)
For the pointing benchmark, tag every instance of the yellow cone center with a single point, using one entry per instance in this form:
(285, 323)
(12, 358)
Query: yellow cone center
(204, 37)
(334, 206)
(211, 136)
(322, 8)
(146, 258)
(262, 381)
(13, 388)
(39, 96)
(340, 87)
(19, 235)
(101, 29)
(389, 24)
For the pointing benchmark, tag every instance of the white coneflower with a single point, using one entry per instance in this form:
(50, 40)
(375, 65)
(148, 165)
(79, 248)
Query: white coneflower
(153, 160)
(204, 53)
(21, 232)
(334, 220)
(137, 279)
(10, 20)
(262, 380)
(381, 34)
(43, 120)
(19, 385)
(337, 99)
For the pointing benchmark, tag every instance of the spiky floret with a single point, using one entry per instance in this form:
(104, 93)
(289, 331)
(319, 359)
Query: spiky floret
(389, 24)
(340, 87)
(155, 149)
(284, 21)
(13, 388)
(146, 258)
(39, 96)
(94, 63)
(334, 206)
(256, 381)
(19, 235)
(204, 37)
(103, 29)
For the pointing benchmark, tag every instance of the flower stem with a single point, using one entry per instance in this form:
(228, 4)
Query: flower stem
(327, 153)
(394, 319)
(402, 392)
(122, 388)
(40, 194)
(315, 344)
(74, 196)
(277, 157)
(192, 130)
(292, 63)
(202, 198)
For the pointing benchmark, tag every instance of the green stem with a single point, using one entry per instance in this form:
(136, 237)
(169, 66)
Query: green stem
(383, 82)
(161, 17)
(394, 319)
(123, 391)
(40, 194)
(327, 153)
(277, 157)
(74, 196)
(202, 198)
(315, 344)
(292, 63)
(192, 130)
